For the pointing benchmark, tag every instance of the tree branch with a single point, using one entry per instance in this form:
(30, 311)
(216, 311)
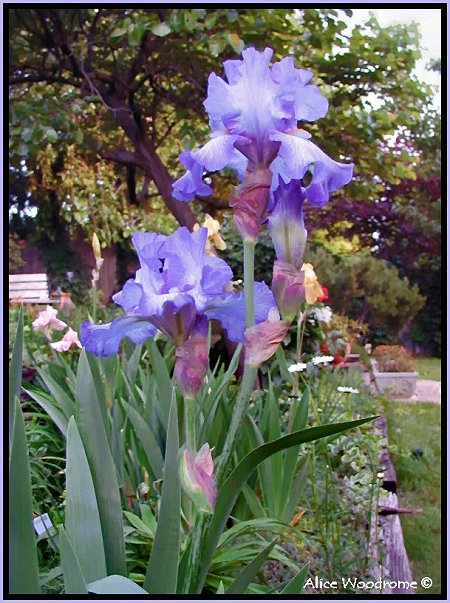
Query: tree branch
(124, 157)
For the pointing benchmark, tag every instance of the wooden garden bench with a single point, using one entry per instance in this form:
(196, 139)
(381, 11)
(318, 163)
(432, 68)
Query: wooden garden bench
(30, 289)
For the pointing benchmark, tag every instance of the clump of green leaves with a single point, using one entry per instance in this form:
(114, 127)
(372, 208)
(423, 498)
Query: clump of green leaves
(368, 289)
(15, 253)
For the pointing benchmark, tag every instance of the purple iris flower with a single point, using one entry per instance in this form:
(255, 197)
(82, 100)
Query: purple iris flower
(176, 286)
(253, 118)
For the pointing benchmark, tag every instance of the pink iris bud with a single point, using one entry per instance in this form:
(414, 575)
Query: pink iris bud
(197, 480)
(288, 289)
(191, 360)
(250, 204)
(262, 340)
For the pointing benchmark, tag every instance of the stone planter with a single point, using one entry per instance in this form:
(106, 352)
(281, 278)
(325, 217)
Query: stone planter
(397, 385)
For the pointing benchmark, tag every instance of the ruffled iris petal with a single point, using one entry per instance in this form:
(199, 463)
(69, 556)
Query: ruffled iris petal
(328, 175)
(218, 152)
(188, 268)
(238, 163)
(103, 340)
(296, 96)
(130, 297)
(191, 184)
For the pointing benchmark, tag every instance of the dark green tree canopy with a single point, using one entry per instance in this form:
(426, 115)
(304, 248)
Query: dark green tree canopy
(127, 85)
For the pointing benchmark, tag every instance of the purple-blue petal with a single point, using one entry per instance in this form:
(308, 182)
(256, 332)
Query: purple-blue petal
(147, 245)
(244, 105)
(130, 297)
(238, 163)
(218, 152)
(190, 184)
(286, 225)
(177, 318)
(328, 175)
(229, 309)
(104, 339)
(296, 95)
(188, 268)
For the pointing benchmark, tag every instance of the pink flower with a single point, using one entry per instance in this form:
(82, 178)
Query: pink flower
(261, 341)
(69, 339)
(47, 320)
(197, 480)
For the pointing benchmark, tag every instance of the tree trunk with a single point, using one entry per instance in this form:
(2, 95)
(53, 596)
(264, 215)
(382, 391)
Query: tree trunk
(147, 157)
(155, 169)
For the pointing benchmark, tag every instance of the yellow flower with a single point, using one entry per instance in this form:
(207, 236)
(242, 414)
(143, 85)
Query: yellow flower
(214, 239)
(313, 290)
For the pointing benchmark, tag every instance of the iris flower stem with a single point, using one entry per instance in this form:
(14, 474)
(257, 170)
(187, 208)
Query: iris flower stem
(248, 378)
(189, 422)
(249, 282)
(94, 302)
(247, 384)
(246, 388)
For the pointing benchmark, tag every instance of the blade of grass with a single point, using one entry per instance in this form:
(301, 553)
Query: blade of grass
(23, 563)
(115, 585)
(83, 525)
(74, 582)
(249, 572)
(282, 364)
(275, 461)
(296, 489)
(253, 502)
(15, 372)
(162, 570)
(250, 526)
(65, 402)
(90, 424)
(163, 380)
(299, 417)
(48, 405)
(295, 586)
(147, 440)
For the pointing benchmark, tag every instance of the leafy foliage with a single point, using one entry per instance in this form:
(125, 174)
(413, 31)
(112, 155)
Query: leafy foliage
(14, 253)
(368, 290)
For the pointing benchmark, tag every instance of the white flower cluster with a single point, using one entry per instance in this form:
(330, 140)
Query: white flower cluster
(322, 314)
(296, 368)
(322, 360)
(347, 390)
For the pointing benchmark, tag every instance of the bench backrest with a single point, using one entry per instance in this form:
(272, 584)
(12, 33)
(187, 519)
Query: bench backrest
(29, 288)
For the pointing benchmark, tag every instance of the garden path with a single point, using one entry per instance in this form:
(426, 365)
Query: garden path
(426, 391)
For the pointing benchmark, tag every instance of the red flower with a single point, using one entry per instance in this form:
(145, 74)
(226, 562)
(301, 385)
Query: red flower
(324, 348)
(324, 295)
(338, 359)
